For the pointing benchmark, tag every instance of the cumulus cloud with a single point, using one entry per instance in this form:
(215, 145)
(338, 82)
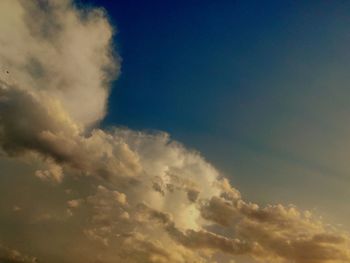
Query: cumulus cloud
(52, 46)
(116, 195)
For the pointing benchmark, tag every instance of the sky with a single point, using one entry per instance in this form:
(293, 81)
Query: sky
(260, 88)
(174, 131)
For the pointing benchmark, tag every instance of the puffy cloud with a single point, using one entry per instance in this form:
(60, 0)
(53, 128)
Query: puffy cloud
(281, 233)
(33, 121)
(116, 195)
(53, 46)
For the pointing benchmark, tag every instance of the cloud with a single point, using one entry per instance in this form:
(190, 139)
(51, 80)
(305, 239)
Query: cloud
(61, 50)
(117, 195)
(8, 255)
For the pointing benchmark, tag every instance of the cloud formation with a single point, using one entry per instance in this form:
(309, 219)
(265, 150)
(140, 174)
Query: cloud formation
(116, 195)
(8, 255)
(52, 46)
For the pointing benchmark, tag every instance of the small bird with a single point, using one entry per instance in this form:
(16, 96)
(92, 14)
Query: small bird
(8, 72)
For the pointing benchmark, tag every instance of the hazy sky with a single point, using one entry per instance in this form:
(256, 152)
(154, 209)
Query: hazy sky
(174, 131)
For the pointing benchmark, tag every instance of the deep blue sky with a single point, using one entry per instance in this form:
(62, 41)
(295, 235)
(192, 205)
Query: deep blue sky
(260, 88)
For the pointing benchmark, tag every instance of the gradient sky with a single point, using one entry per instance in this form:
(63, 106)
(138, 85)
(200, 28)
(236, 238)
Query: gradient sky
(224, 138)
(259, 88)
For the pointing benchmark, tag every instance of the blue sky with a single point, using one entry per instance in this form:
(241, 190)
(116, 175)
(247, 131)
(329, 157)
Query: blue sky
(256, 92)
(259, 88)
